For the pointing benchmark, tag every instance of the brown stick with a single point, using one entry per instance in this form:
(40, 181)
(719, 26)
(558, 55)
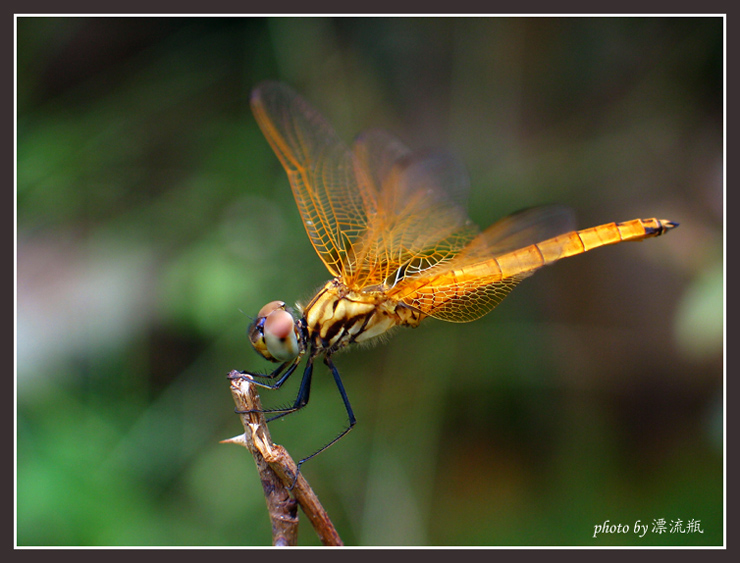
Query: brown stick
(277, 472)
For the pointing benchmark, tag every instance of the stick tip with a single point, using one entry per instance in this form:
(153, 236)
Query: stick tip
(240, 440)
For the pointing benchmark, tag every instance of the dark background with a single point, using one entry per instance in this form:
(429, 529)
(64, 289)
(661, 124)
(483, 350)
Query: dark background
(153, 218)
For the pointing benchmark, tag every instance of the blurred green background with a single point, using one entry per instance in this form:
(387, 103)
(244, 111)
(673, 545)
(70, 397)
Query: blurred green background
(153, 219)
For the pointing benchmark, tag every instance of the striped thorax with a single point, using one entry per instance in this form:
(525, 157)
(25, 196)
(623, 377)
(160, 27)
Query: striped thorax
(338, 316)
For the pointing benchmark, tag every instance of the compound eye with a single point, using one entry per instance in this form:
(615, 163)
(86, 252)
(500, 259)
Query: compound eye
(256, 330)
(281, 335)
(269, 308)
(274, 334)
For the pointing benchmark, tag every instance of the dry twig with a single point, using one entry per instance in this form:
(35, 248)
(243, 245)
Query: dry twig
(277, 472)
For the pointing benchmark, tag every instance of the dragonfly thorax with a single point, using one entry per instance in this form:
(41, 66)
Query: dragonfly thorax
(338, 316)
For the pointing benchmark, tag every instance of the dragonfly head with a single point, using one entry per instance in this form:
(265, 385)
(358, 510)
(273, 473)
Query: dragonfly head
(274, 333)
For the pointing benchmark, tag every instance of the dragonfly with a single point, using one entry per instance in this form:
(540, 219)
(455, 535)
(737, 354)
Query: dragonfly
(392, 228)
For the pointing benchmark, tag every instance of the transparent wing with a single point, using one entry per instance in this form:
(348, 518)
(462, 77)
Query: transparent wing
(375, 214)
(320, 169)
(524, 228)
(419, 218)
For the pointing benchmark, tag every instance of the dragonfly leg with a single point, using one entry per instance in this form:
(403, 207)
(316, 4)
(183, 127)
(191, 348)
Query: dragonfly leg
(347, 406)
(291, 365)
(301, 399)
(303, 392)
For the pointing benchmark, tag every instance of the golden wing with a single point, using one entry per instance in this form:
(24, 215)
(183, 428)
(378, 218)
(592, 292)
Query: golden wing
(375, 213)
(493, 264)
(419, 219)
(320, 169)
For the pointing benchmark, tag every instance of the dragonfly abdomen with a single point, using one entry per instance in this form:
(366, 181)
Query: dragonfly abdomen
(467, 293)
(577, 242)
(526, 260)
